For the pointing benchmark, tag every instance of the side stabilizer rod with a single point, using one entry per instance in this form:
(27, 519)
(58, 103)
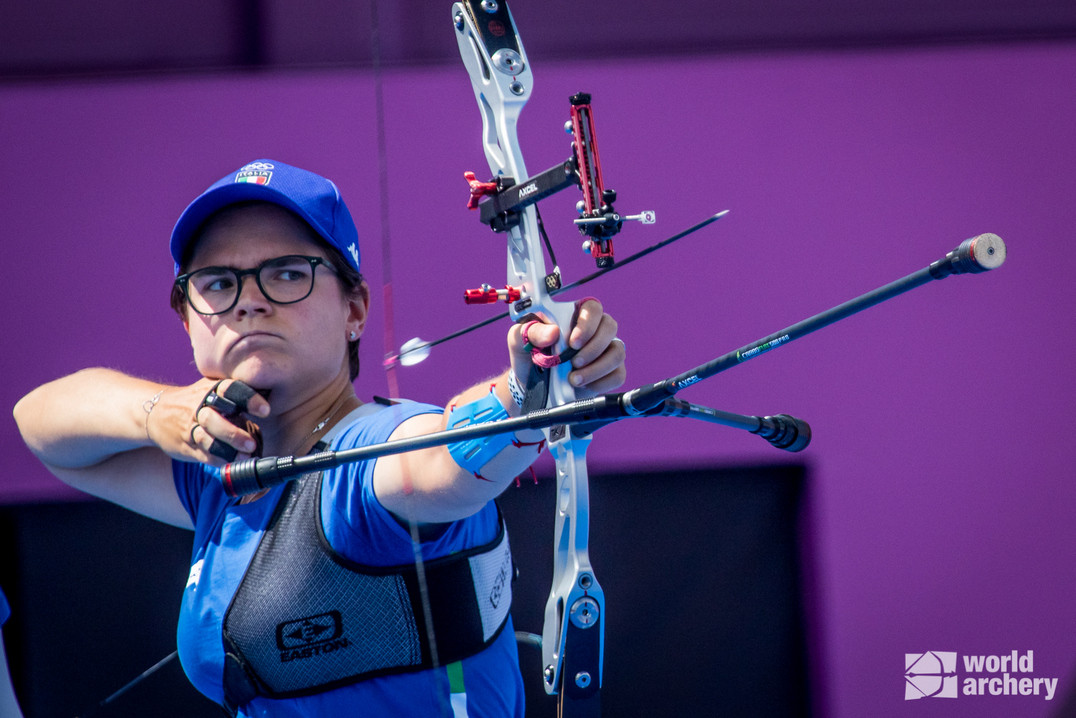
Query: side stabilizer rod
(783, 431)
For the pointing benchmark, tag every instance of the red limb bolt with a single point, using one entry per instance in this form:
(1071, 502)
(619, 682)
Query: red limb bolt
(488, 295)
(478, 189)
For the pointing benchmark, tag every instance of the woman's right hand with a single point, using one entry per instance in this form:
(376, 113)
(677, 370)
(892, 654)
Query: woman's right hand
(184, 427)
(101, 431)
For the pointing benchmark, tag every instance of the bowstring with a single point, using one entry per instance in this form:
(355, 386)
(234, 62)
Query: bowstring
(390, 346)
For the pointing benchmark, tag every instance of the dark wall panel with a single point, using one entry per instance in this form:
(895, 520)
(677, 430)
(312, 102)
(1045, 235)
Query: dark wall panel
(700, 568)
(59, 36)
(50, 37)
(95, 593)
(702, 580)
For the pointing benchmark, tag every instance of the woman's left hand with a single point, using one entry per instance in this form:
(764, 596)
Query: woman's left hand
(598, 367)
(437, 489)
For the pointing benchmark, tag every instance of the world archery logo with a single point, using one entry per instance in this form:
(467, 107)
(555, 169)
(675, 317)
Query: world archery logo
(930, 675)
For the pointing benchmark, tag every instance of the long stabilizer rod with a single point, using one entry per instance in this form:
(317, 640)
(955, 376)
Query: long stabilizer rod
(975, 255)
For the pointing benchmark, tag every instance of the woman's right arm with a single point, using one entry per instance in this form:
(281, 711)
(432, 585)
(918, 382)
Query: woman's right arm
(92, 431)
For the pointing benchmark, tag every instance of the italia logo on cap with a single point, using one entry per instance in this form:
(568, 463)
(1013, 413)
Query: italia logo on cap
(255, 173)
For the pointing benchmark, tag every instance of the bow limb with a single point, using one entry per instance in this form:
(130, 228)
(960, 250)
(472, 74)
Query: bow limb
(573, 634)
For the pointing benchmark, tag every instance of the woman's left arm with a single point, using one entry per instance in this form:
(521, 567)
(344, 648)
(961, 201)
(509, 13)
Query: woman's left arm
(429, 486)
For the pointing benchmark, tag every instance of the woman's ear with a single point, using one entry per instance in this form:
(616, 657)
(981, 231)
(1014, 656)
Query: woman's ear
(358, 310)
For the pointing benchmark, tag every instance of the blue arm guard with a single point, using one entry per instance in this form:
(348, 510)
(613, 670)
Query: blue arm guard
(474, 454)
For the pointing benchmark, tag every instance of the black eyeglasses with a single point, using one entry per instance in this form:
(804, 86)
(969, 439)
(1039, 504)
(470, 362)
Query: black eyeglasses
(284, 280)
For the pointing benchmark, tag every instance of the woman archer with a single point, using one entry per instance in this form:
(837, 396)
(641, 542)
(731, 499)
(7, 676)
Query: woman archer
(303, 600)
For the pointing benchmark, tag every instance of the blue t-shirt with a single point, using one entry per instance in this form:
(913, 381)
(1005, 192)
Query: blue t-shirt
(226, 535)
(5, 610)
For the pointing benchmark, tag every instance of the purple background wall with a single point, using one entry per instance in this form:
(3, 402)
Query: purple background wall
(942, 464)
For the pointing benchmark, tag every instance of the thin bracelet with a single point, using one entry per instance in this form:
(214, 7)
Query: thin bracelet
(147, 406)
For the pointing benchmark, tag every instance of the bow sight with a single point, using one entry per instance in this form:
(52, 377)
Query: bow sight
(598, 220)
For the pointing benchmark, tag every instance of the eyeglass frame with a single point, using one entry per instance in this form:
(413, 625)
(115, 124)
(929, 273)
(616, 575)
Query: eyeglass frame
(183, 281)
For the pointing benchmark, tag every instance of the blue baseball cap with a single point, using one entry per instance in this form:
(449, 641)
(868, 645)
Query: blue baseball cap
(315, 199)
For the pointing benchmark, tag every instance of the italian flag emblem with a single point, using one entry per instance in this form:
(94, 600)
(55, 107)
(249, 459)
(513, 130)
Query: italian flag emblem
(254, 176)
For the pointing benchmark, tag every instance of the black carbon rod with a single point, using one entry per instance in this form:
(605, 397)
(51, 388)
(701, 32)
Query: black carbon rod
(252, 475)
(975, 255)
(783, 431)
(144, 675)
(588, 415)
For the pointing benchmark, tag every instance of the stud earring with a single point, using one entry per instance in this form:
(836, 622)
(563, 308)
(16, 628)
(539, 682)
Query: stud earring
(352, 336)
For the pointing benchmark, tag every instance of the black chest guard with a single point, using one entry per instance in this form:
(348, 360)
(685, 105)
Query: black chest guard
(306, 619)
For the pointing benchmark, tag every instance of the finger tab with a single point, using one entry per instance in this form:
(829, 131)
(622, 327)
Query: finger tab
(239, 394)
(223, 451)
(222, 404)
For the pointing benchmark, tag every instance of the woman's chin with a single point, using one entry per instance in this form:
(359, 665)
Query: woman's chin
(281, 379)
(260, 375)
